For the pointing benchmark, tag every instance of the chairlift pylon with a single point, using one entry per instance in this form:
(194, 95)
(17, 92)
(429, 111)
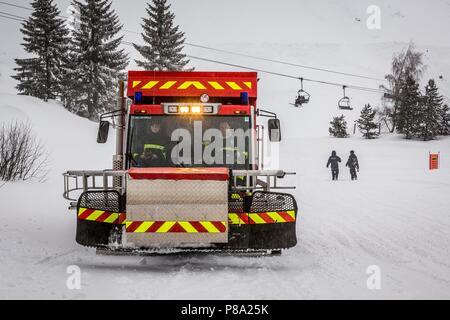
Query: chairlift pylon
(303, 97)
(344, 103)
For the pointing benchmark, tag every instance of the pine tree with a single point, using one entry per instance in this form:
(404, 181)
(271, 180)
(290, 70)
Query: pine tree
(409, 109)
(163, 41)
(338, 127)
(45, 37)
(28, 83)
(366, 123)
(444, 121)
(96, 59)
(431, 112)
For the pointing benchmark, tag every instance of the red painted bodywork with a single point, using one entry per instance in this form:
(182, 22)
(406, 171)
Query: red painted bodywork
(144, 77)
(218, 174)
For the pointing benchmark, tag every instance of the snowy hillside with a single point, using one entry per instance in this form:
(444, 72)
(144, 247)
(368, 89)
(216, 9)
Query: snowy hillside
(396, 216)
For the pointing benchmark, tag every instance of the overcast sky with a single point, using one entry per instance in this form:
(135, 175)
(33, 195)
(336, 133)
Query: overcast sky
(286, 21)
(231, 24)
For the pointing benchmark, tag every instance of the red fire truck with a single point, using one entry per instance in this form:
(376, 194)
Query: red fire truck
(188, 173)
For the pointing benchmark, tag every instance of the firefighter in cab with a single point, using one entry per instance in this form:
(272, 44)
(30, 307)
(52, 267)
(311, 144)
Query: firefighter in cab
(154, 147)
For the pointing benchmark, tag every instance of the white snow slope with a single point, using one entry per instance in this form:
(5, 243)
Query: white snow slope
(396, 216)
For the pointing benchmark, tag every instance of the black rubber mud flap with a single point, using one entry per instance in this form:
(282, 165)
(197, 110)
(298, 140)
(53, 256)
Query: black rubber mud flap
(273, 235)
(98, 234)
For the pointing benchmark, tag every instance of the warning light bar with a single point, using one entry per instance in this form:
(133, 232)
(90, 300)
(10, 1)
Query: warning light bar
(189, 108)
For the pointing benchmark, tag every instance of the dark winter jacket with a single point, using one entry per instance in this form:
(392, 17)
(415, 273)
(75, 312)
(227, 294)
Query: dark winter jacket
(333, 161)
(152, 150)
(352, 162)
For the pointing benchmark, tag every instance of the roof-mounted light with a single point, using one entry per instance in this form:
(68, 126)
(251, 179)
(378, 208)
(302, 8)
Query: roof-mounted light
(191, 108)
(196, 109)
(185, 109)
(138, 97)
(208, 109)
(172, 109)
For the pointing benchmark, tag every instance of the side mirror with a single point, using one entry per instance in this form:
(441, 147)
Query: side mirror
(103, 132)
(274, 130)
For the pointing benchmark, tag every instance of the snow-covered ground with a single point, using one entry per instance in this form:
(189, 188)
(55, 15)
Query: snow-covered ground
(396, 216)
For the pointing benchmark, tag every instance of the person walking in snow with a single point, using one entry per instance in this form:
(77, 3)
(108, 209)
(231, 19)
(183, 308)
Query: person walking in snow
(334, 160)
(353, 165)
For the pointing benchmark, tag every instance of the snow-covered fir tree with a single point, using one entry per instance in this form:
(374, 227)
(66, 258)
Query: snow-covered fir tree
(409, 109)
(45, 38)
(338, 127)
(26, 72)
(431, 112)
(97, 62)
(366, 123)
(163, 41)
(444, 121)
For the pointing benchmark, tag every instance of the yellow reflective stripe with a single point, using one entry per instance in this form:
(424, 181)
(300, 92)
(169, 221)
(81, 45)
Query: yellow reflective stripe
(275, 216)
(113, 217)
(209, 226)
(234, 218)
(196, 84)
(256, 218)
(187, 226)
(216, 85)
(166, 227)
(127, 224)
(81, 210)
(154, 146)
(233, 85)
(150, 84)
(144, 227)
(94, 215)
(168, 85)
(248, 84)
(136, 83)
(291, 213)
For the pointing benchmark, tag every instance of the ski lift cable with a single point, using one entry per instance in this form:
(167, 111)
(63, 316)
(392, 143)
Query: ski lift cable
(246, 67)
(11, 18)
(282, 62)
(286, 75)
(12, 15)
(236, 53)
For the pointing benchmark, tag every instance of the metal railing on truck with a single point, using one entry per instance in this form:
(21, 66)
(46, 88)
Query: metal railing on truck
(77, 182)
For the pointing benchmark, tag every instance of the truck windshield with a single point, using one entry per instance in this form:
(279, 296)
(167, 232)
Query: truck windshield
(189, 141)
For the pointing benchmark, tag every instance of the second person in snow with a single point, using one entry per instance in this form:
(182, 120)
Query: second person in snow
(353, 165)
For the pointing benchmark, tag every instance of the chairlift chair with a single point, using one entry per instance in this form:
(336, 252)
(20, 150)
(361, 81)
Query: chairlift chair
(302, 96)
(344, 103)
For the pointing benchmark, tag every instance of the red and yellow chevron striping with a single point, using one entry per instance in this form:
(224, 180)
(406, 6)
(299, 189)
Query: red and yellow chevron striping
(186, 226)
(261, 218)
(199, 85)
(175, 226)
(101, 216)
